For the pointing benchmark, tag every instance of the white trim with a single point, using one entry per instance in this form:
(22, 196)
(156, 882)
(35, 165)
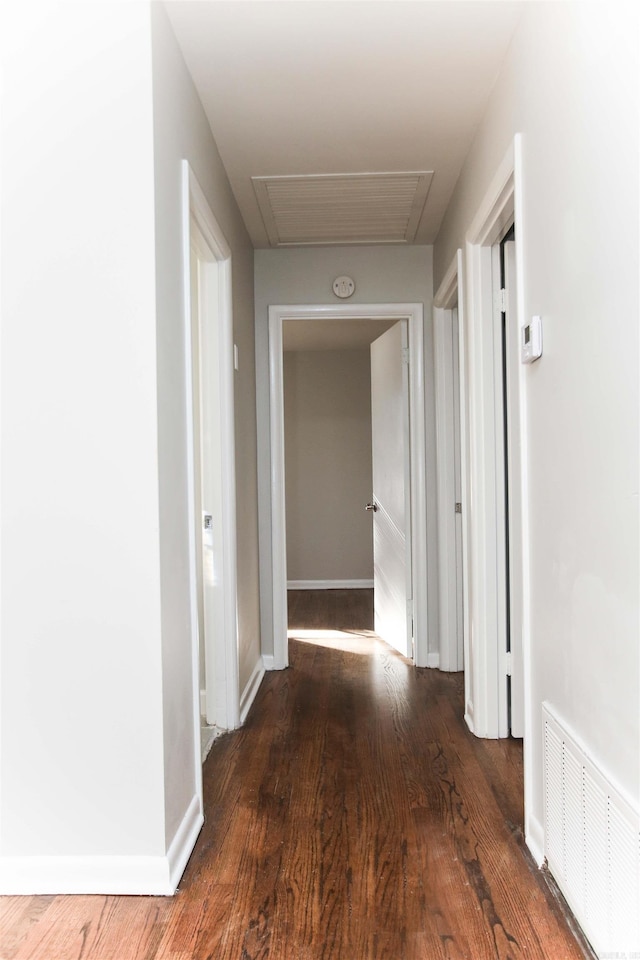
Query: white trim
(450, 295)
(502, 204)
(420, 573)
(251, 689)
(184, 841)
(121, 876)
(222, 661)
(208, 736)
(530, 823)
(534, 839)
(516, 426)
(496, 483)
(483, 477)
(447, 293)
(497, 208)
(433, 661)
(268, 662)
(413, 313)
(329, 584)
(468, 713)
(278, 510)
(190, 464)
(465, 488)
(445, 486)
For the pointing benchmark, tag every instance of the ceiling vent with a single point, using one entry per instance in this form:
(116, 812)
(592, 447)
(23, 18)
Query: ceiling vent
(342, 208)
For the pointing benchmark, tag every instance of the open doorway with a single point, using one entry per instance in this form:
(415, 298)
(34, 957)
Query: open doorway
(480, 298)
(477, 320)
(338, 316)
(347, 466)
(327, 426)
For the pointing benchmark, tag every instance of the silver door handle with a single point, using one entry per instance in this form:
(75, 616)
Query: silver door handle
(371, 506)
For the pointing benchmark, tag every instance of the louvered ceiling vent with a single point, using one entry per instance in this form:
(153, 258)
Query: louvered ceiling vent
(342, 208)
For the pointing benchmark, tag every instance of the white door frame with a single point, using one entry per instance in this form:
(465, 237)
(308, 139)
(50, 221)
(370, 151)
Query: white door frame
(450, 294)
(512, 391)
(413, 313)
(483, 710)
(485, 717)
(200, 228)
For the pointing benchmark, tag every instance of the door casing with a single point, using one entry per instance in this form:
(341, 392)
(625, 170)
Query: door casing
(413, 313)
(448, 309)
(484, 665)
(201, 231)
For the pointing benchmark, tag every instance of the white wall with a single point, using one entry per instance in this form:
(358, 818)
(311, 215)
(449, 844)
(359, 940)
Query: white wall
(81, 702)
(305, 276)
(181, 130)
(98, 761)
(327, 428)
(570, 85)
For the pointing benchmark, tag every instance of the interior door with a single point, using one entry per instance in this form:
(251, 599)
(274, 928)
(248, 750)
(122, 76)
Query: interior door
(390, 503)
(208, 488)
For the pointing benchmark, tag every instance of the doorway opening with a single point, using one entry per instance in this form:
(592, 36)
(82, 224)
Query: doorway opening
(390, 313)
(346, 419)
(209, 369)
(497, 687)
(492, 410)
(481, 299)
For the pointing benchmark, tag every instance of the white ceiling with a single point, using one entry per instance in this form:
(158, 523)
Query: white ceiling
(308, 88)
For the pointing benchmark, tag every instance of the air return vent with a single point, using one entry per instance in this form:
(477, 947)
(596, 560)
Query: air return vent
(342, 208)
(592, 843)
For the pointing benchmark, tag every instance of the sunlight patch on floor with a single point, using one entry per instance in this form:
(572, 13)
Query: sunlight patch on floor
(364, 642)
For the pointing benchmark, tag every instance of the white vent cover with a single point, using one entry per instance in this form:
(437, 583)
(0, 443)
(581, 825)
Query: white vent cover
(592, 843)
(342, 208)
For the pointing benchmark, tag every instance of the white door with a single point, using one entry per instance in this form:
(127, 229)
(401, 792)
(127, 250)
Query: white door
(390, 504)
(208, 495)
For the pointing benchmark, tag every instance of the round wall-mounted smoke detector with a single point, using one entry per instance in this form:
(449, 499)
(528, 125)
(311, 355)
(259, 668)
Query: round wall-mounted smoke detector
(343, 287)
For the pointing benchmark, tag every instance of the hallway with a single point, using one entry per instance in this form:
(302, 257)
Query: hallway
(353, 817)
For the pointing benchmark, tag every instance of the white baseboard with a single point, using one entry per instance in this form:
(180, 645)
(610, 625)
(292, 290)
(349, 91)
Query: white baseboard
(468, 717)
(208, 736)
(252, 687)
(270, 663)
(117, 875)
(123, 876)
(433, 661)
(184, 841)
(329, 584)
(534, 838)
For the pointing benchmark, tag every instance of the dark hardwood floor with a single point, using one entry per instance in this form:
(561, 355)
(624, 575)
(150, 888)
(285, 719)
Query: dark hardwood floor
(353, 817)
